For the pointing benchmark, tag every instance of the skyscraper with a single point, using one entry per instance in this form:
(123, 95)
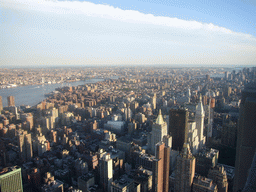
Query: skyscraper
(159, 130)
(27, 117)
(154, 102)
(185, 170)
(200, 123)
(161, 168)
(178, 127)
(127, 114)
(11, 101)
(193, 138)
(246, 136)
(106, 171)
(10, 179)
(209, 126)
(25, 146)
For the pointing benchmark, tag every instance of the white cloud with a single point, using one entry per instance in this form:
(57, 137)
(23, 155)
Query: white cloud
(110, 12)
(134, 33)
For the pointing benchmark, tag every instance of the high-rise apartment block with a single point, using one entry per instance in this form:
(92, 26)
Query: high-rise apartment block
(10, 179)
(246, 136)
(11, 101)
(178, 127)
(185, 170)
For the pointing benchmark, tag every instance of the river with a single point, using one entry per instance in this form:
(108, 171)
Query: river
(33, 94)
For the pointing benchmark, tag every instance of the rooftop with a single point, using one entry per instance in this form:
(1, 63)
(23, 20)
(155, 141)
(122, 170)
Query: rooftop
(122, 181)
(8, 170)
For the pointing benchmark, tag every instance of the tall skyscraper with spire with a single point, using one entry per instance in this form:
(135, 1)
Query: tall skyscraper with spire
(185, 170)
(159, 130)
(199, 117)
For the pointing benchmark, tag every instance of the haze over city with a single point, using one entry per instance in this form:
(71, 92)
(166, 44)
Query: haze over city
(188, 33)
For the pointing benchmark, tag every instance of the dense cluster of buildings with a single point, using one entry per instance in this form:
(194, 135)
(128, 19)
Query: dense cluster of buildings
(14, 77)
(149, 130)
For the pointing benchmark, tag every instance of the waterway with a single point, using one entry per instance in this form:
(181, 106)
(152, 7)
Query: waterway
(34, 94)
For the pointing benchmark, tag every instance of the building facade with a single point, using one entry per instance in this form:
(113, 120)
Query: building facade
(185, 170)
(178, 127)
(106, 172)
(25, 146)
(11, 101)
(246, 136)
(159, 130)
(10, 179)
(161, 166)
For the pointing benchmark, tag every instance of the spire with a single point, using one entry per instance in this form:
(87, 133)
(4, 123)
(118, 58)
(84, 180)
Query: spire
(159, 119)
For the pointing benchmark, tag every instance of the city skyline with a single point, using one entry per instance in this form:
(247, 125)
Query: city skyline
(120, 134)
(66, 33)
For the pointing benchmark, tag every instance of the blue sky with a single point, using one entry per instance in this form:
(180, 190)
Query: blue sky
(185, 32)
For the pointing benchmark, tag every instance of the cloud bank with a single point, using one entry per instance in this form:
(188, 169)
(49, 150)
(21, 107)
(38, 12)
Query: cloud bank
(73, 32)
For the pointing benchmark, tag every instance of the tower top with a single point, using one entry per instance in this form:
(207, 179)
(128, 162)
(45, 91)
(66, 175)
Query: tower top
(186, 151)
(159, 119)
(200, 109)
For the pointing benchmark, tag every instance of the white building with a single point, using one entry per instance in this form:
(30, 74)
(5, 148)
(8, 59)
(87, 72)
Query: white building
(159, 130)
(199, 117)
(106, 171)
(193, 138)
